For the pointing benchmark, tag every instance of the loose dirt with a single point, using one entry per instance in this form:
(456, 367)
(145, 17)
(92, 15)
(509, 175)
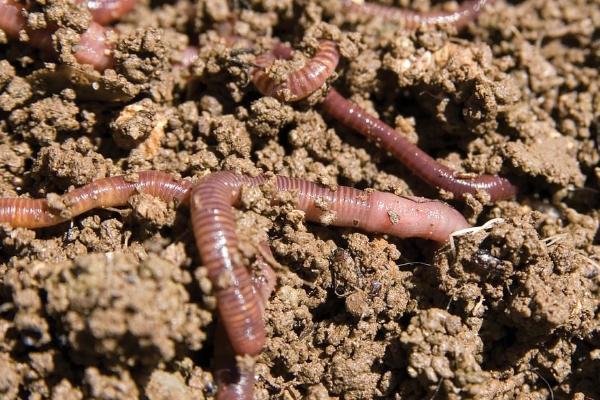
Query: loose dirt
(116, 305)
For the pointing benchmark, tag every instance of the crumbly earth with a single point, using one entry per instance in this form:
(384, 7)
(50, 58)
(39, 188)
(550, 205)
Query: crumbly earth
(116, 304)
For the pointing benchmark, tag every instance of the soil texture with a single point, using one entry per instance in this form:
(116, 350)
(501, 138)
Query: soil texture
(116, 304)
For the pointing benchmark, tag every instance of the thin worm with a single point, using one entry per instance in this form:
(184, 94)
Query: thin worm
(214, 228)
(237, 383)
(298, 84)
(415, 159)
(107, 192)
(93, 47)
(107, 11)
(354, 117)
(412, 20)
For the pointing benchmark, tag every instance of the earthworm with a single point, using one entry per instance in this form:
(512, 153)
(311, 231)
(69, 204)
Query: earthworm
(412, 20)
(237, 383)
(107, 11)
(359, 120)
(214, 228)
(106, 192)
(298, 84)
(93, 47)
(415, 159)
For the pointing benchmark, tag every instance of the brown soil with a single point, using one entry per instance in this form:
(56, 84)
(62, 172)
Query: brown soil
(114, 306)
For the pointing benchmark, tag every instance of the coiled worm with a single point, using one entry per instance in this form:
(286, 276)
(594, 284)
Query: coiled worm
(298, 84)
(354, 117)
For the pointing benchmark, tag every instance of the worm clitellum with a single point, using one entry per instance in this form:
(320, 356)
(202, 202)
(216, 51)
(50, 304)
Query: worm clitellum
(415, 159)
(412, 20)
(300, 83)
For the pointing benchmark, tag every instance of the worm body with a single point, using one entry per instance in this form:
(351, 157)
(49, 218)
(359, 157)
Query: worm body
(217, 242)
(107, 192)
(300, 83)
(13, 20)
(412, 20)
(93, 47)
(240, 303)
(235, 382)
(214, 228)
(419, 162)
(375, 211)
(322, 65)
(107, 11)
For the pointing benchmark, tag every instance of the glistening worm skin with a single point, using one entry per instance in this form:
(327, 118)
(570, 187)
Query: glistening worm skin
(412, 20)
(93, 47)
(107, 11)
(107, 192)
(237, 383)
(357, 119)
(419, 162)
(300, 83)
(214, 228)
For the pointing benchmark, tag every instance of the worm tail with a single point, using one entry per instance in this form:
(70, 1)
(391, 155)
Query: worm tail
(415, 159)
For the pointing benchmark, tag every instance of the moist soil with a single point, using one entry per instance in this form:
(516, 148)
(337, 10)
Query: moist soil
(116, 304)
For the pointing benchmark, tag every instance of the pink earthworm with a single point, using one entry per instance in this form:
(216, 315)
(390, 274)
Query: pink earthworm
(214, 228)
(415, 159)
(211, 201)
(93, 47)
(235, 382)
(102, 193)
(107, 11)
(354, 117)
(298, 84)
(412, 20)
